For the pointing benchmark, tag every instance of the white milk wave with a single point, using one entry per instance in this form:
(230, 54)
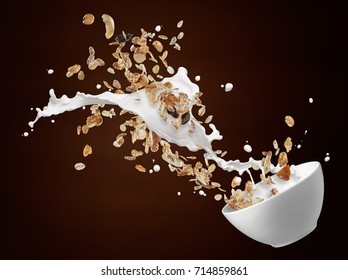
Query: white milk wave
(139, 103)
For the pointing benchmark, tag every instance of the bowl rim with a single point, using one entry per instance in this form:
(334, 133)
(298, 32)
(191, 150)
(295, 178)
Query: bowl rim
(232, 211)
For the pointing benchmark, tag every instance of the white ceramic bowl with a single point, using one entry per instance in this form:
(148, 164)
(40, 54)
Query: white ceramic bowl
(288, 216)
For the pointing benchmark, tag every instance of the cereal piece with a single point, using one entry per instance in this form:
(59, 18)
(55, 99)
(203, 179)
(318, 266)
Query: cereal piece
(158, 45)
(136, 153)
(155, 69)
(170, 70)
(282, 159)
(275, 144)
(211, 168)
(284, 173)
(289, 121)
(274, 191)
(73, 70)
(80, 75)
(180, 35)
(218, 197)
(130, 158)
(87, 150)
(208, 119)
(79, 166)
(164, 55)
(201, 111)
(172, 41)
(180, 24)
(249, 188)
(140, 168)
(123, 128)
(163, 37)
(177, 46)
(119, 140)
(218, 152)
(106, 84)
(288, 144)
(85, 129)
(109, 25)
(191, 157)
(110, 70)
(267, 180)
(266, 161)
(88, 19)
(116, 84)
(78, 130)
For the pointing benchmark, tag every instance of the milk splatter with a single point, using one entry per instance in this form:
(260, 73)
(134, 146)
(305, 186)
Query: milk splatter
(25, 134)
(50, 71)
(247, 148)
(310, 100)
(158, 28)
(156, 168)
(98, 86)
(197, 78)
(228, 87)
(139, 103)
(327, 157)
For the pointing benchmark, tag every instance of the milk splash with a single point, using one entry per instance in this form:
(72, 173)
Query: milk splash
(139, 103)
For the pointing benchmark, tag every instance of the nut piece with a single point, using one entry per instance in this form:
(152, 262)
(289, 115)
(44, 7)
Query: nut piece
(79, 166)
(88, 19)
(289, 121)
(109, 25)
(284, 173)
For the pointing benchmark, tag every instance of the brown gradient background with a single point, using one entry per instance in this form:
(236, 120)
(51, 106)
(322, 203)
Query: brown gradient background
(276, 55)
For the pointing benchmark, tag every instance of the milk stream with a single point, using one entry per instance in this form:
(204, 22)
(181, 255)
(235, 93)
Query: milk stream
(139, 103)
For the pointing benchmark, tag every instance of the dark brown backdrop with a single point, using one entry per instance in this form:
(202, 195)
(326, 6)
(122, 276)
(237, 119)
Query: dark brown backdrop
(276, 55)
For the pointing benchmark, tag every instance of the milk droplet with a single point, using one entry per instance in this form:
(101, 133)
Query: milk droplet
(156, 168)
(50, 71)
(31, 108)
(31, 130)
(327, 158)
(179, 193)
(310, 100)
(327, 154)
(197, 78)
(98, 86)
(298, 146)
(83, 107)
(158, 28)
(222, 86)
(247, 148)
(150, 171)
(201, 192)
(305, 132)
(153, 160)
(53, 121)
(228, 87)
(25, 134)
(238, 180)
